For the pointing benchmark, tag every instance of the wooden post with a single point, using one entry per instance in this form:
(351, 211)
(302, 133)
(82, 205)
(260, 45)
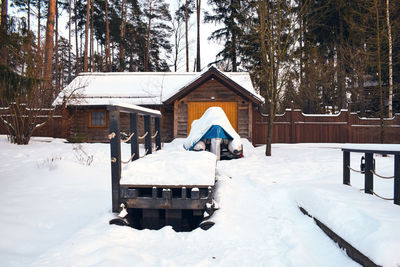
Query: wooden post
(349, 122)
(115, 144)
(158, 130)
(133, 119)
(396, 195)
(292, 127)
(346, 169)
(147, 129)
(369, 177)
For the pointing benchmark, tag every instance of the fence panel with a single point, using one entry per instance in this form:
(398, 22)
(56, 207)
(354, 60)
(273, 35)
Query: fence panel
(295, 127)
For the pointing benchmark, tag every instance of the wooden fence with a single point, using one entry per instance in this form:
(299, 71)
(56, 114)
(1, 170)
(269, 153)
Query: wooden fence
(291, 127)
(57, 123)
(346, 127)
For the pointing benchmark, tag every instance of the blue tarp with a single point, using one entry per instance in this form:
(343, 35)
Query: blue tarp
(215, 131)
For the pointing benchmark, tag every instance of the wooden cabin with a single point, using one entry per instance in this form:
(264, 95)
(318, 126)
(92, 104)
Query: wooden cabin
(181, 98)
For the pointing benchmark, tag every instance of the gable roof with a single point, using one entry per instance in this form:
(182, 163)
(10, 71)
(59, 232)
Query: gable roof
(236, 81)
(146, 88)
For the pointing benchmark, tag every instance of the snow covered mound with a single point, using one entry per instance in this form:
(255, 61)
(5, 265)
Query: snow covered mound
(363, 221)
(248, 148)
(213, 116)
(172, 168)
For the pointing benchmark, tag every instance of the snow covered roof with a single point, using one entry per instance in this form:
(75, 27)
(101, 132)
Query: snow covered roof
(138, 88)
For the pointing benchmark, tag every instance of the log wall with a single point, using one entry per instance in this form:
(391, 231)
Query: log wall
(213, 88)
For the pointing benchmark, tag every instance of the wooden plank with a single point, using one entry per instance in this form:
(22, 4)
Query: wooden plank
(197, 109)
(167, 186)
(162, 203)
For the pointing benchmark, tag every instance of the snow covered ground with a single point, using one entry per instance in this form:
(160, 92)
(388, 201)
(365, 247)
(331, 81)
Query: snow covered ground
(55, 204)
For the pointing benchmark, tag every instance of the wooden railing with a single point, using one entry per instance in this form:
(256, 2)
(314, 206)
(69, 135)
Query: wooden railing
(368, 168)
(115, 141)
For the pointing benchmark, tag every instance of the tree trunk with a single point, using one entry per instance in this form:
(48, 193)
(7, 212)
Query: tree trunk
(108, 59)
(198, 65)
(48, 59)
(234, 56)
(3, 48)
(28, 61)
(91, 38)
(265, 71)
(85, 59)
(341, 70)
(234, 42)
(38, 32)
(361, 93)
(76, 39)
(271, 117)
(389, 28)
(69, 41)
(56, 55)
(121, 45)
(186, 34)
(378, 44)
(147, 53)
(29, 14)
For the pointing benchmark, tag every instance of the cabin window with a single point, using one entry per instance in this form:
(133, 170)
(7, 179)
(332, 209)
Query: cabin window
(97, 118)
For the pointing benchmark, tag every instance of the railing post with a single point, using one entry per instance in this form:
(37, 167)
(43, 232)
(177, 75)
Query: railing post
(158, 130)
(346, 169)
(396, 195)
(369, 177)
(115, 145)
(147, 129)
(133, 119)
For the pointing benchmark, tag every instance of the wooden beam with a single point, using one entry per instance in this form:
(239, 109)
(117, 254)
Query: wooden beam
(158, 131)
(351, 251)
(133, 123)
(369, 176)
(125, 108)
(396, 180)
(115, 144)
(346, 169)
(147, 129)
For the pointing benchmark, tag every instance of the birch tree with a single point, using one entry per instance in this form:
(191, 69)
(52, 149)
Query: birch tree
(389, 29)
(198, 13)
(187, 33)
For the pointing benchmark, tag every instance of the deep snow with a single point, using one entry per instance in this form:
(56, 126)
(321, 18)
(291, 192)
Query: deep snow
(55, 204)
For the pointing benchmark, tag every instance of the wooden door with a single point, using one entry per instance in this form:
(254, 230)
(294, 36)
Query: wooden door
(197, 109)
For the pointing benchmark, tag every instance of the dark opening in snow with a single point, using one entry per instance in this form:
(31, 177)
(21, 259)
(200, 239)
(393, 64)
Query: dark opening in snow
(155, 219)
